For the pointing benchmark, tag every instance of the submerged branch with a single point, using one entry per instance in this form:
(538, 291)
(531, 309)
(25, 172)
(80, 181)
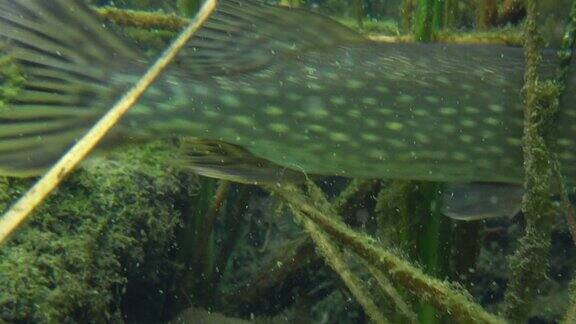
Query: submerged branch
(387, 287)
(142, 19)
(336, 260)
(529, 264)
(447, 299)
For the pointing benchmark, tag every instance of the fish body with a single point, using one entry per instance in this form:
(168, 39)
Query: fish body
(367, 110)
(263, 88)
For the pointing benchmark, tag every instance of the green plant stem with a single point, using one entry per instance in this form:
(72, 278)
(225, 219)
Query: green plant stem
(358, 8)
(529, 264)
(423, 28)
(198, 206)
(355, 187)
(387, 287)
(432, 240)
(234, 224)
(438, 14)
(447, 299)
(407, 12)
(141, 19)
(209, 219)
(336, 260)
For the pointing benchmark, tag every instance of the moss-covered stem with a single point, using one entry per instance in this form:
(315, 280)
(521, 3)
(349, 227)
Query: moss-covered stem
(447, 299)
(387, 287)
(336, 260)
(355, 188)
(141, 19)
(393, 215)
(529, 264)
(330, 251)
(409, 218)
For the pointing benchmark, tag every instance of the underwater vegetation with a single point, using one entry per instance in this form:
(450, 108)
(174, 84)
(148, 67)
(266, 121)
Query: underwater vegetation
(137, 230)
(105, 240)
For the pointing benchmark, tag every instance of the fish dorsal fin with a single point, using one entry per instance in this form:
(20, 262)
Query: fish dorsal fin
(247, 34)
(217, 159)
(69, 63)
(60, 30)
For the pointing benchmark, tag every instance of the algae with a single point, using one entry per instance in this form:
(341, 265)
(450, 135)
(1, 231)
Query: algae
(529, 265)
(92, 247)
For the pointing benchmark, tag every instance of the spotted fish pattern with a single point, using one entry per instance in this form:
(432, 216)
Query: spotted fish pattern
(264, 88)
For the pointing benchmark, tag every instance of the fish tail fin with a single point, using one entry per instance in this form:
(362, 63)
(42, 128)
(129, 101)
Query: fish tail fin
(65, 64)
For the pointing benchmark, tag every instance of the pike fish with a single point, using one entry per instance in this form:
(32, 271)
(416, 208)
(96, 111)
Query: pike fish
(264, 93)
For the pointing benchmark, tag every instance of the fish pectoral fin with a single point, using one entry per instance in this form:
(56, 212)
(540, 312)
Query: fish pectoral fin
(226, 161)
(244, 35)
(476, 201)
(67, 60)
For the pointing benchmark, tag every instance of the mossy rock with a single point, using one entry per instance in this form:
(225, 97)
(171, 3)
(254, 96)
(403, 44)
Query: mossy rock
(111, 223)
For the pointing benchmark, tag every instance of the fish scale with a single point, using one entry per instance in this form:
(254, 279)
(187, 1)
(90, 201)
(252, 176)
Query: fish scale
(263, 93)
(436, 123)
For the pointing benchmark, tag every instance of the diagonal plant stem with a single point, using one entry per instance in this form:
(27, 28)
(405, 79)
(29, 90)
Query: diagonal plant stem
(335, 208)
(21, 210)
(336, 260)
(449, 300)
(387, 287)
